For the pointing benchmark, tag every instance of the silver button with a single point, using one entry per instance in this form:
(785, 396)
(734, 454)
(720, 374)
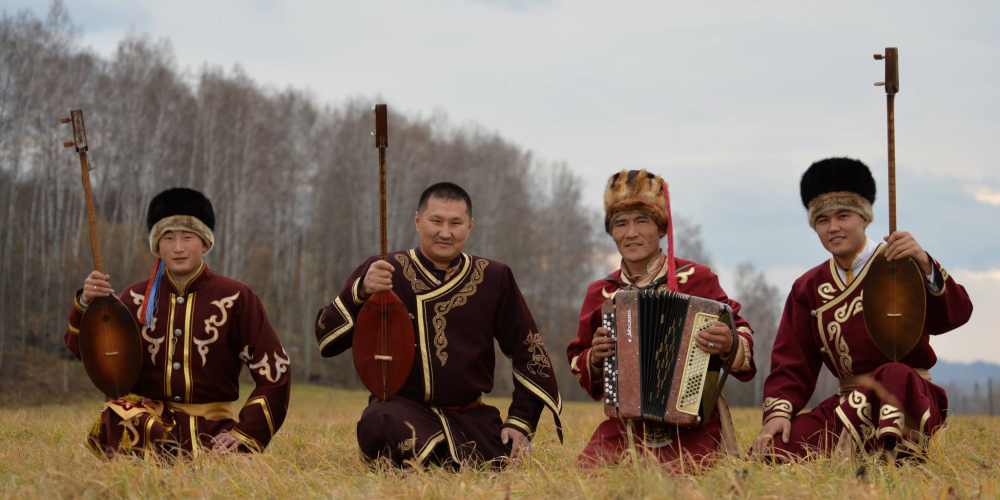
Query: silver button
(813, 313)
(822, 350)
(180, 300)
(178, 332)
(177, 399)
(177, 366)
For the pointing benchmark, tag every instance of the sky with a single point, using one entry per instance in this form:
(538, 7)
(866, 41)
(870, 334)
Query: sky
(729, 101)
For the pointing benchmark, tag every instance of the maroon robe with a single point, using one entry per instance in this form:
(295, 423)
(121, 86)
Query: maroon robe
(456, 316)
(681, 447)
(823, 324)
(193, 353)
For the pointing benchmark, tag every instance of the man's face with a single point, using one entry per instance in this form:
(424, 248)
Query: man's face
(443, 227)
(637, 237)
(182, 252)
(842, 232)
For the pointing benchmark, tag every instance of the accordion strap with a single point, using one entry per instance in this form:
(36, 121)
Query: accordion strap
(728, 445)
(727, 368)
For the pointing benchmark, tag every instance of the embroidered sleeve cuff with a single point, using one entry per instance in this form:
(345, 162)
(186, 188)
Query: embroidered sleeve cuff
(250, 442)
(355, 292)
(521, 425)
(78, 303)
(775, 407)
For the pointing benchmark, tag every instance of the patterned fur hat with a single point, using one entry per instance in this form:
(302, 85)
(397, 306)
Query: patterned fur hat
(641, 191)
(635, 191)
(180, 209)
(838, 184)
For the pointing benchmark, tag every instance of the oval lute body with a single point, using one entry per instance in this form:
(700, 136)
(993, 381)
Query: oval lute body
(110, 347)
(894, 305)
(383, 345)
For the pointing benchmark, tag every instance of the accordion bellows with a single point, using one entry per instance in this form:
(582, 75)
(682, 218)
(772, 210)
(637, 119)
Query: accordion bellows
(658, 373)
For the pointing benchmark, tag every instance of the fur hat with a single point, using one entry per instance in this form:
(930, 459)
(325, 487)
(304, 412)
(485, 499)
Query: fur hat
(635, 191)
(180, 209)
(641, 191)
(838, 184)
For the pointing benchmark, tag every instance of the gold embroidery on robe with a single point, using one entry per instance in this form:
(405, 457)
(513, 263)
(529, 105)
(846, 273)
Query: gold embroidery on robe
(263, 368)
(841, 315)
(154, 342)
(410, 442)
(539, 359)
(860, 403)
(682, 276)
(894, 417)
(826, 291)
(415, 283)
(212, 322)
(780, 408)
(441, 309)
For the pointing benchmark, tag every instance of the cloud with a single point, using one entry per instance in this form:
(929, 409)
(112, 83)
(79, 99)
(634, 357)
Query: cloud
(986, 195)
(977, 339)
(728, 101)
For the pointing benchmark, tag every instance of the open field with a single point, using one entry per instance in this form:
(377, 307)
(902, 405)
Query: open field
(315, 455)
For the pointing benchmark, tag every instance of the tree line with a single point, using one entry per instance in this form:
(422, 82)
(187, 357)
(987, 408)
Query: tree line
(295, 187)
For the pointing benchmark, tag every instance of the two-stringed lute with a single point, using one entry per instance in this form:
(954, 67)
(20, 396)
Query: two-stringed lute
(893, 301)
(383, 333)
(109, 336)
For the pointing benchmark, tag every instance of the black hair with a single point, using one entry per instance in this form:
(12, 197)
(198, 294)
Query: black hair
(445, 191)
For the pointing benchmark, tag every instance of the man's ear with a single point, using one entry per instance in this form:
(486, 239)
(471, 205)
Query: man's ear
(471, 222)
(416, 221)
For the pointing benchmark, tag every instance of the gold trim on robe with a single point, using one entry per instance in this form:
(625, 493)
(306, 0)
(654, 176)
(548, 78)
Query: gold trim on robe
(421, 322)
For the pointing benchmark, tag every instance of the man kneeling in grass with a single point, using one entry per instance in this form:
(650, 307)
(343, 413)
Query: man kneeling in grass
(459, 304)
(198, 330)
(882, 405)
(637, 216)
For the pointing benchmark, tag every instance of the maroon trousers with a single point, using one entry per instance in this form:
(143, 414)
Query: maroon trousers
(408, 432)
(683, 450)
(892, 406)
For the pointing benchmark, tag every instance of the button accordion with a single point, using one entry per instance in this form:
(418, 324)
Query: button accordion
(658, 373)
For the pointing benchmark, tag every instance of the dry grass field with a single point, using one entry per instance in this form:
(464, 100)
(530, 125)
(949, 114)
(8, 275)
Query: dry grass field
(315, 455)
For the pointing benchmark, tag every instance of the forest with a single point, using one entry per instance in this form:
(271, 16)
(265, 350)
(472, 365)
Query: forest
(294, 183)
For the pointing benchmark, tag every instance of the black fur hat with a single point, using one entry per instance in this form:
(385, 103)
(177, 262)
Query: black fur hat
(838, 184)
(180, 209)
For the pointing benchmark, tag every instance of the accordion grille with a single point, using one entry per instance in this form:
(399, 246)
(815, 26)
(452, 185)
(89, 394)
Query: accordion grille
(695, 369)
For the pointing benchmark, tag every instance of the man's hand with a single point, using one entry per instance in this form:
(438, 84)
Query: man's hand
(767, 433)
(717, 339)
(377, 279)
(602, 346)
(901, 245)
(521, 447)
(225, 443)
(96, 285)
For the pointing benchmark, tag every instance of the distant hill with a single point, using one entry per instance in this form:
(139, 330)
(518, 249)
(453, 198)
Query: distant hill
(946, 372)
